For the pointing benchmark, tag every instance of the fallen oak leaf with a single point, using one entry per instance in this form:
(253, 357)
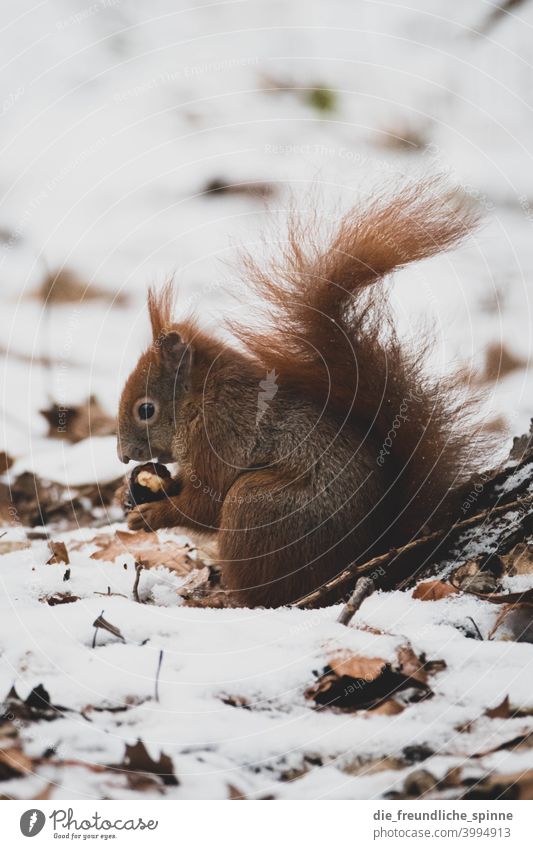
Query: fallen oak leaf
(411, 666)
(147, 550)
(520, 742)
(418, 784)
(9, 546)
(6, 461)
(218, 185)
(516, 785)
(136, 759)
(501, 711)
(76, 423)
(60, 598)
(203, 588)
(434, 591)
(37, 706)
(354, 682)
(389, 708)
(234, 794)
(520, 627)
(499, 361)
(355, 666)
(480, 575)
(59, 553)
(45, 793)
(66, 286)
(518, 561)
(14, 763)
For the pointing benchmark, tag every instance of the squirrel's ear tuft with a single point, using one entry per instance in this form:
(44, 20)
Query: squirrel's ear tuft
(160, 309)
(175, 353)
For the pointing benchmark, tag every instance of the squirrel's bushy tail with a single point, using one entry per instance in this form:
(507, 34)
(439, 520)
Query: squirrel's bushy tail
(332, 338)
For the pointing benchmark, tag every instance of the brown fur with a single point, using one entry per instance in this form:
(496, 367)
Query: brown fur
(296, 494)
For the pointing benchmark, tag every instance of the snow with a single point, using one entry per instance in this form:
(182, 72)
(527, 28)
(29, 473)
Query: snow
(90, 460)
(115, 117)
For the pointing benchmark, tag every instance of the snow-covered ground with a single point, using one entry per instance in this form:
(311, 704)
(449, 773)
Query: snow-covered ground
(115, 118)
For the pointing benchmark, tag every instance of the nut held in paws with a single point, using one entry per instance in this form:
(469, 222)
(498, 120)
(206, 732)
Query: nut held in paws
(146, 483)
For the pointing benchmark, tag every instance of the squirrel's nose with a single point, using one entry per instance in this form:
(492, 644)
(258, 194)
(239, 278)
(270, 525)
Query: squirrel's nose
(122, 456)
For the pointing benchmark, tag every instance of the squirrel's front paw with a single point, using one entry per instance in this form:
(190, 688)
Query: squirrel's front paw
(145, 517)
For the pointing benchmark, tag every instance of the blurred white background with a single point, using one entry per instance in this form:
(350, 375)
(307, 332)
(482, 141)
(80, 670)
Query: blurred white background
(117, 117)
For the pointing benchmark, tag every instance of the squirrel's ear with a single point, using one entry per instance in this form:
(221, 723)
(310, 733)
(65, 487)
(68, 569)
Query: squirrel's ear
(175, 353)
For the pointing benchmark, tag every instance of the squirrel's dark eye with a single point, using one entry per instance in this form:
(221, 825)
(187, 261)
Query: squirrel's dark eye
(145, 411)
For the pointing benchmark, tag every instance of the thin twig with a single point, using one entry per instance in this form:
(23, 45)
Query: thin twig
(109, 594)
(138, 570)
(159, 662)
(363, 588)
(96, 626)
(478, 632)
(355, 569)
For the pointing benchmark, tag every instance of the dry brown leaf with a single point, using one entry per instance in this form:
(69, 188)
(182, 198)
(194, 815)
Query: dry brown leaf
(78, 422)
(7, 546)
(29, 500)
(354, 682)
(515, 785)
(147, 550)
(5, 462)
(410, 665)
(60, 598)
(519, 561)
(137, 759)
(66, 286)
(37, 706)
(388, 708)
(203, 588)
(478, 576)
(499, 362)
(8, 732)
(433, 591)
(198, 579)
(46, 792)
(419, 783)
(59, 553)
(518, 620)
(501, 711)
(217, 186)
(235, 701)
(235, 794)
(213, 599)
(356, 666)
(13, 762)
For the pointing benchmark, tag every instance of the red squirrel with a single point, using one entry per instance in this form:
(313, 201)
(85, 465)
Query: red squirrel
(319, 440)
